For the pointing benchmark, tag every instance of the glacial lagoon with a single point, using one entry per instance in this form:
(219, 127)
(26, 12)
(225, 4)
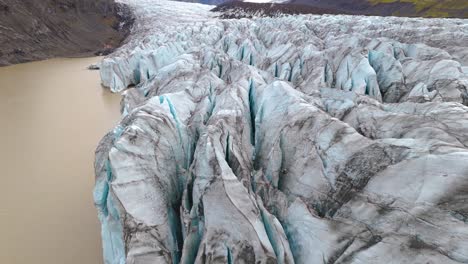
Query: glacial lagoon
(53, 114)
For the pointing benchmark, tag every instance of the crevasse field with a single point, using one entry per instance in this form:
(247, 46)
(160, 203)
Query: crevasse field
(291, 139)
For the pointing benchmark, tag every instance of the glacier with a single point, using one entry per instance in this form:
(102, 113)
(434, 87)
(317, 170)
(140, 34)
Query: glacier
(287, 139)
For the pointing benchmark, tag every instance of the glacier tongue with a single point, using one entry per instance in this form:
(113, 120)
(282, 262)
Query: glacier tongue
(294, 139)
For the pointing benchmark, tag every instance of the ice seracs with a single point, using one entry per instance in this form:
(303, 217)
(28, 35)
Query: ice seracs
(295, 139)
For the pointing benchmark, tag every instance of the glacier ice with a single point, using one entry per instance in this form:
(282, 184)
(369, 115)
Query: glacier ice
(292, 139)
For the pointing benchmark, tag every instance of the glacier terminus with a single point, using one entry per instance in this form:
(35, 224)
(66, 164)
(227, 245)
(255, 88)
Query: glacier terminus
(288, 139)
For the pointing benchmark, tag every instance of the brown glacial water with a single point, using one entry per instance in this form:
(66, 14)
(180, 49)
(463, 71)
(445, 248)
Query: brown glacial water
(53, 113)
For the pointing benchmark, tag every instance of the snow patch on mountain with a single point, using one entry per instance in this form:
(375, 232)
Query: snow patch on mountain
(266, 1)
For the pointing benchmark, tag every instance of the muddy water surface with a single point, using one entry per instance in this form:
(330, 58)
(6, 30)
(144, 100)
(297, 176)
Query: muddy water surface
(53, 113)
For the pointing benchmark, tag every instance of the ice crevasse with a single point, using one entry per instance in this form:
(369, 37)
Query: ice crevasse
(290, 139)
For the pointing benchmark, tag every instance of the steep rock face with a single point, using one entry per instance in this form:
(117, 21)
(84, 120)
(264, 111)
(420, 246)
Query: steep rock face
(35, 30)
(297, 139)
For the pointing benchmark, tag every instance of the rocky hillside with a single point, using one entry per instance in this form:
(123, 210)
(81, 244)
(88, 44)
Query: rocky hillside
(34, 30)
(410, 8)
(427, 8)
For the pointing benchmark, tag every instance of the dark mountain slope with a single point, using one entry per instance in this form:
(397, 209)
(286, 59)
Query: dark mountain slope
(35, 30)
(411, 8)
(406, 8)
